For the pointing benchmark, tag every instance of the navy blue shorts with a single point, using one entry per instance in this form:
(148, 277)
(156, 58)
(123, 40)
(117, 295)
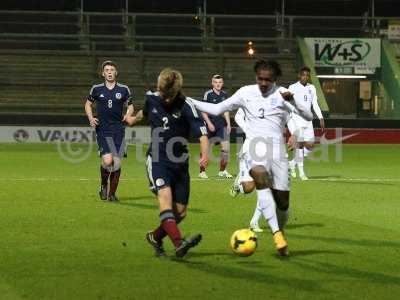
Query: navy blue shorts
(219, 135)
(175, 176)
(111, 141)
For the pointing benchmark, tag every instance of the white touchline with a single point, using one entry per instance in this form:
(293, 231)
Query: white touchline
(196, 179)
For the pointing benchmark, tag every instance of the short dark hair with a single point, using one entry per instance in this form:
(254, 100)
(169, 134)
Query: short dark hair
(271, 65)
(304, 69)
(217, 76)
(108, 63)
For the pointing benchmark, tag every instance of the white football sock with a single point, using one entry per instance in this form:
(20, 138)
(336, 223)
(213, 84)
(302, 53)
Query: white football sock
(306, 152)
(283, 216)
(267, 205)
(256, 216)
(241, 190)
(300, 160)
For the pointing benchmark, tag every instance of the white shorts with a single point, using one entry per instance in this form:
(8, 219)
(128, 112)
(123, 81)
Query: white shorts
(276, 168)
(303, 133)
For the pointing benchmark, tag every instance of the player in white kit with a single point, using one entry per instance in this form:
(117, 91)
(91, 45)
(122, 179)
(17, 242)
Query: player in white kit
(305, 97)
(267, 107)
(244, 183)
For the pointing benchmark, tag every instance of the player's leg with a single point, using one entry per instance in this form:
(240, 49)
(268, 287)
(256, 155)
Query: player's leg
(294, 132)
(255, 218)
(265, 198)
(106, 163)
(282, 206)
(243, 183)
(180, 196)
(202, 173)
(118, 150)
(157, 173)
(280, 190)
(307, 146)
(225, 150)
(267, 205)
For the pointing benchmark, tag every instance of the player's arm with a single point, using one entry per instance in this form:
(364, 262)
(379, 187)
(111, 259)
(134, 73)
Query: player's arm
(129, 99)
(133, 119)
(228, 121)
(210, 125)
(197, 129)
(89, 109)
(290, 105)
(317, 110)
(232, 103)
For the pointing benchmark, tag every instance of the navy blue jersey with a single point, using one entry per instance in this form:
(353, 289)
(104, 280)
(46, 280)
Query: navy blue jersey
(171, 126)
(110, 103)
(212, 97)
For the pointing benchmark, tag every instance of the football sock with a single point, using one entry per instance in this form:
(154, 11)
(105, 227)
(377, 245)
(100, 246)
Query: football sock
(293, 162)
(241, 189)
(283, 216)
(300, 160)
(104, 173)
(114, 180)
(224, 160)
(160, 233)
(256, 216)
(169, 225)
(267, 205)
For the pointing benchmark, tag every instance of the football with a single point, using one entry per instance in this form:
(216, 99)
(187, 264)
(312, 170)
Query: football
(244, 242)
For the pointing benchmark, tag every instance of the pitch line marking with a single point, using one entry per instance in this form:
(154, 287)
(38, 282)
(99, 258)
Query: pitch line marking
(198, 179)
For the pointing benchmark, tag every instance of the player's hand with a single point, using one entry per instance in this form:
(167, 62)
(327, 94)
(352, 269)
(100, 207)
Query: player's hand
(126, 116)
(288, 96)
(228, 129)
(130, 120)
(203, 161)
(322, 124)
(211, 127)
(94, 122)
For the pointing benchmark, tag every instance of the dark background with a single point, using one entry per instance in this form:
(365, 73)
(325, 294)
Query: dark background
(292, 7)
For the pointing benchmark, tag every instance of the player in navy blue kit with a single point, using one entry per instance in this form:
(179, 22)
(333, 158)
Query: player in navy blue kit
(219, 127)
(172, 118)
(110, 99)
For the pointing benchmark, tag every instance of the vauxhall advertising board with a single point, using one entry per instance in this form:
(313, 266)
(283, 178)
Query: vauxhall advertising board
(28, 134)
(345, 52)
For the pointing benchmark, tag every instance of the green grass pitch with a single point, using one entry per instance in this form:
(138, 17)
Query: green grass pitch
(59, 241)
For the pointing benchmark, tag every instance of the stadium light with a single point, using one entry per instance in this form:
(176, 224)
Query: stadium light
(250, 49)
(342, 76)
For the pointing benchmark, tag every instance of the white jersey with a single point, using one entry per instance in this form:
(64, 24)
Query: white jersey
(305, 98)
(265, 114)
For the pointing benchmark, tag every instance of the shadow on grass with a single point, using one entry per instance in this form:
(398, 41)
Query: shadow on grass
(154, 206)
(345, 241)
(299, 253)
(252, 275)
(297, 226)
(149, 197)
(347, 272)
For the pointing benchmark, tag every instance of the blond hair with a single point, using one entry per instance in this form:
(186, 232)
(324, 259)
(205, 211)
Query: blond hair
(169, 83)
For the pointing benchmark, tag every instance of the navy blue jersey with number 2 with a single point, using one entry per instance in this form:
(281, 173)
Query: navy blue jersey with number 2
(171, 126)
